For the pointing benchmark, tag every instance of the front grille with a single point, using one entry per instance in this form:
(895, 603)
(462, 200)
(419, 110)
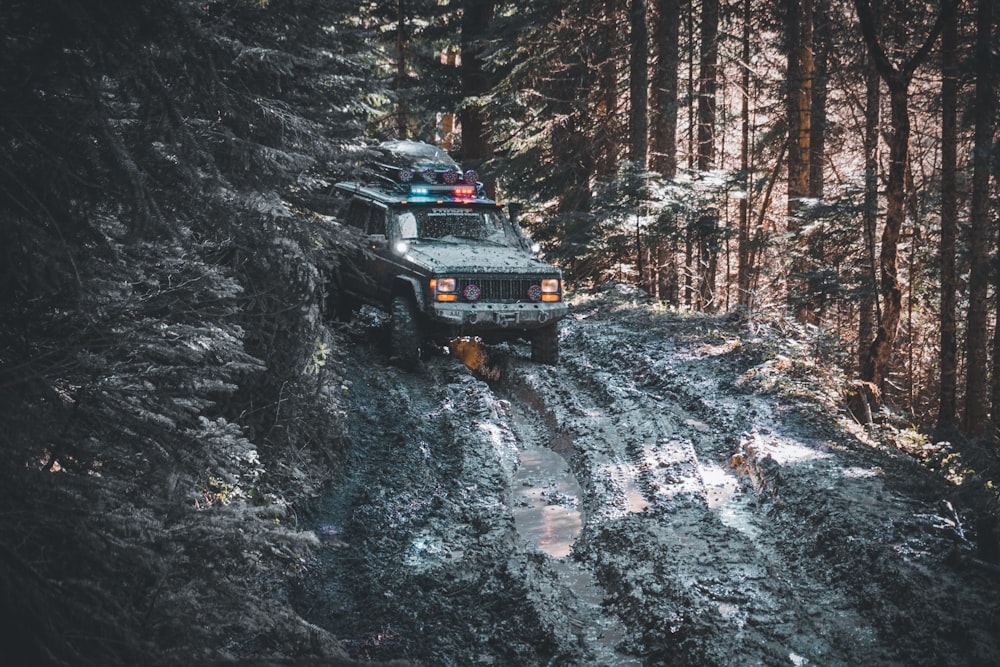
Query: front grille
(500, 288)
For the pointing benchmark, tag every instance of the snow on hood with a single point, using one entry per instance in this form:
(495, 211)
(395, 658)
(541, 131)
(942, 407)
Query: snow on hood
(474, 257)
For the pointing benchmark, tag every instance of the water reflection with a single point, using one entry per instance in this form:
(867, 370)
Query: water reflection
(546, 495)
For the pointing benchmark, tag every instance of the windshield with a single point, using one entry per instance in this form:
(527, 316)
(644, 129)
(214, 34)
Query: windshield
(466, 223)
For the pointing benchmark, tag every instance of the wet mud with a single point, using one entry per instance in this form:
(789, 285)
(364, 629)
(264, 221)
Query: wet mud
(646, 502)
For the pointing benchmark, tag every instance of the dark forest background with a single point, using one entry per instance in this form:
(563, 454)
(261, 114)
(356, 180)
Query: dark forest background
(168, 387)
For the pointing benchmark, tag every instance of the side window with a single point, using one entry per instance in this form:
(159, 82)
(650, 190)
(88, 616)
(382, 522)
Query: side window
(357, 214)
(376, 223)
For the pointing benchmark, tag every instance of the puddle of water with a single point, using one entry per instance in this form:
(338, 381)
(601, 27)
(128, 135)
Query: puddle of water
(697, 425)
(602, 632)
(545, 499)
(723, 494)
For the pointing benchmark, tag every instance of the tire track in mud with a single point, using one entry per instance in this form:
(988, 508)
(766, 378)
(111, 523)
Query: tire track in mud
(424, 561)
(700, 526)
(675, 536)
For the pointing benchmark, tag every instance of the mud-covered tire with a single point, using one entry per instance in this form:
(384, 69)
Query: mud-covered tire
(545, 345)
(404, 332)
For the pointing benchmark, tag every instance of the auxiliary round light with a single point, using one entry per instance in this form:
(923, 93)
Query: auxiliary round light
(429, 175)
(471, 176)
(450, 177)
(405, 175)
(535, 292)
(472, 292)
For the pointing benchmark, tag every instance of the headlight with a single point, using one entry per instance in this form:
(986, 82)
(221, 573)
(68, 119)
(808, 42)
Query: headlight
(444, 289)
(443, 284)
(551, 289)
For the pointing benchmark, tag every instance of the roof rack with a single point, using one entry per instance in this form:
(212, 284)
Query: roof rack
(402, 161)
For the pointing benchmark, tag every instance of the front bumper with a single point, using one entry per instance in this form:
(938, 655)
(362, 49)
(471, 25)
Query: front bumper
(477, 317)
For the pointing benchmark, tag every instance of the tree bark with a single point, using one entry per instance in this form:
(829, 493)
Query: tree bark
(663, 131)
(947, 404)
(797, 133)
(798, 28)
(868, 303)
(663, 134)
(975, 415)
(402, 122)
(818, 35)
(744, 269)
(897, 80)
(608, 137)
(476, 18)
(639, 85)
(817, 118)
(707, 228)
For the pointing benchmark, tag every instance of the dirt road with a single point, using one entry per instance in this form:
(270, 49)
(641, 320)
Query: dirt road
(659, 498)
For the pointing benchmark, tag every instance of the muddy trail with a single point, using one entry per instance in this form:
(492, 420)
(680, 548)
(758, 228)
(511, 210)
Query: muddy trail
(650, 501)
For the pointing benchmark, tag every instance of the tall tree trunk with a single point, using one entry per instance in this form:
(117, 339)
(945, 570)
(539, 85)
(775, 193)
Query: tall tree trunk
(817, 118)
(692, 97)
(947, 403)
(798, 29)
(868, 302)
(974, 421)
(608, 138)
(890, 286)
(692, 160)
(663, 133)
(476, 18)
(402, 129)
(795, 74)
(897, 80)
(818, 34)
(639, 85)
(708, 233)
(744, 268)
(639, 112)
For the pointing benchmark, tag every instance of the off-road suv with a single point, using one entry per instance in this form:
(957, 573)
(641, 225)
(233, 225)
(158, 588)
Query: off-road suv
(442, 258)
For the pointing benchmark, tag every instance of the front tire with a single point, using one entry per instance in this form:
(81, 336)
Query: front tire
(545, 345)
(404, 331)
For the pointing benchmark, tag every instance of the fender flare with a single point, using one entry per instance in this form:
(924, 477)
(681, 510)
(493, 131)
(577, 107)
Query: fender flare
(408, 285)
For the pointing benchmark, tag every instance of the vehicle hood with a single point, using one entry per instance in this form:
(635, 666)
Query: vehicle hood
(474, 258)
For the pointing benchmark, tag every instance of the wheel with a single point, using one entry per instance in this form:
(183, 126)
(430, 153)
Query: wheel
(545, 345)
(404, 331)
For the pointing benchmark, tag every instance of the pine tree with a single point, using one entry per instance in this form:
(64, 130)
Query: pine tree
(153, 377)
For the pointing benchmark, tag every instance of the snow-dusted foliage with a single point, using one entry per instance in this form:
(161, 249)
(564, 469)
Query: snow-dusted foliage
(159, 323)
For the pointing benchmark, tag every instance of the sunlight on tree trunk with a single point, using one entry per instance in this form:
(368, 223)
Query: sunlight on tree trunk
(898, 81)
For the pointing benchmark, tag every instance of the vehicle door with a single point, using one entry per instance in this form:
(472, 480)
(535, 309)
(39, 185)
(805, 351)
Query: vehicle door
(363, 270)
(380, 265)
